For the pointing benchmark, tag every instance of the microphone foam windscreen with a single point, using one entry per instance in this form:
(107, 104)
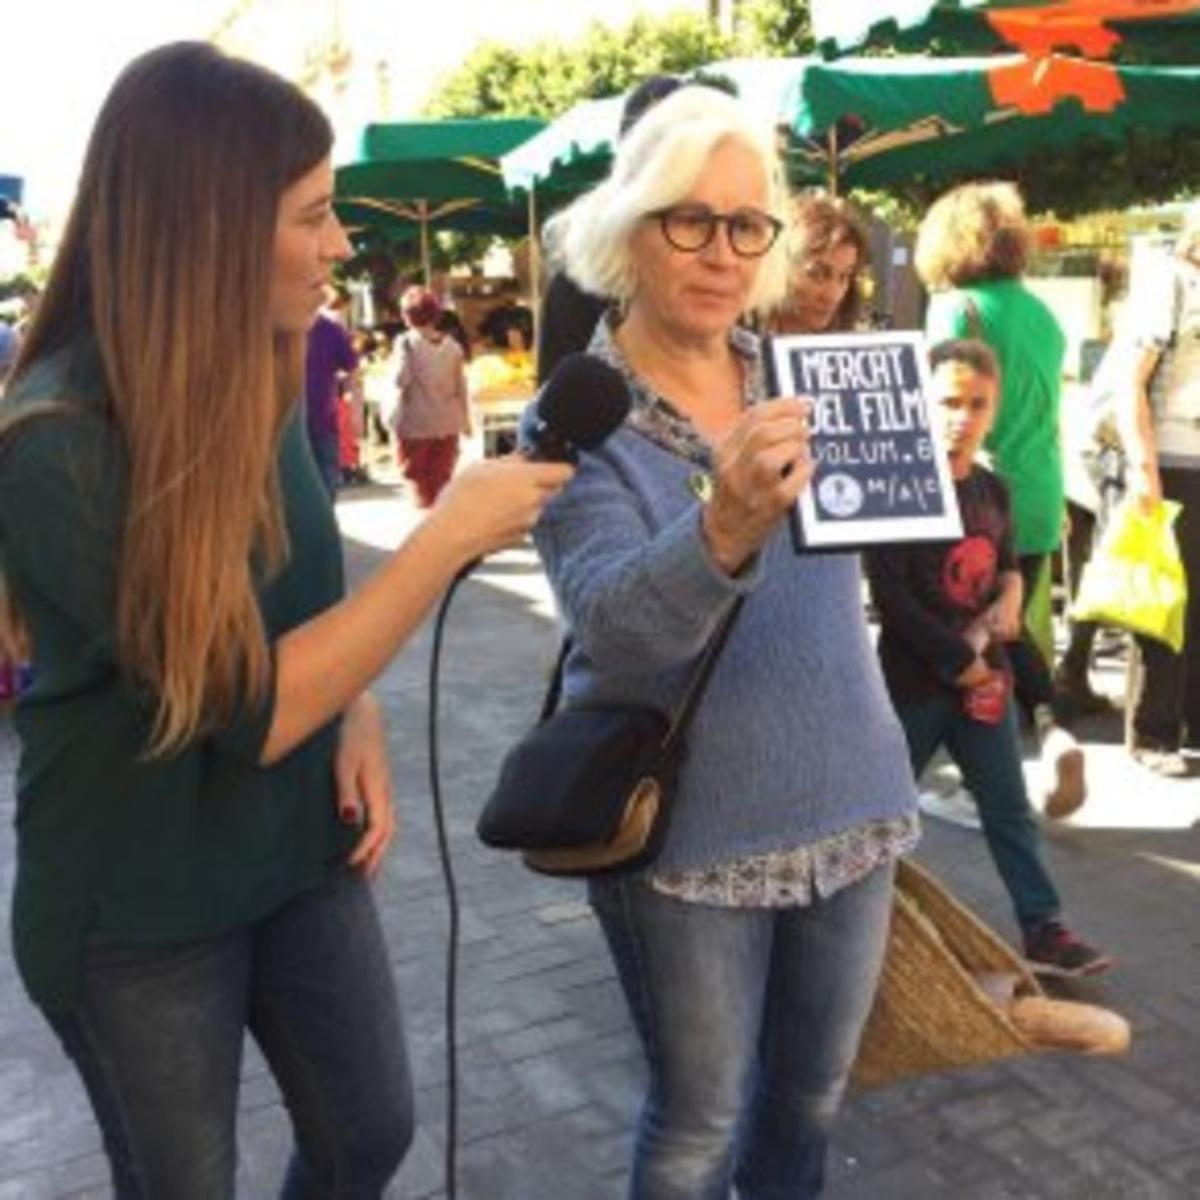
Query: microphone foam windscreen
(583, 401)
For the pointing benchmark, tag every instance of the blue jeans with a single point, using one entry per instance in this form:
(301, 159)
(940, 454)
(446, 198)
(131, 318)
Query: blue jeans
(750, 1020)
(157, 1037)
(989, 757)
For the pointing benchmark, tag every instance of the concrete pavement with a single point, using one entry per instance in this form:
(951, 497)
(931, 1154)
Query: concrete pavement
(550, 1073)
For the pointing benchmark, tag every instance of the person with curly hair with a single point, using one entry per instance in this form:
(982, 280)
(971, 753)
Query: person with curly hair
(972, 249)
(827, 250)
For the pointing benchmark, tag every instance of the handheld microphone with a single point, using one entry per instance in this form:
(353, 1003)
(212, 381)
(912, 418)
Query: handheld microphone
(578, 407)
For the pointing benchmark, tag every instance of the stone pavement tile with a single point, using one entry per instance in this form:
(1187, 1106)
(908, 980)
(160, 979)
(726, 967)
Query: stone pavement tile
(1091, 1120)
(1119, 1177)
(540, 1039)
(1117, 1078)
(85, 1177)
(901, 1181)
(966, 1116)
(546, 1163)
(1184, 1171)
(1041, 1170)
(264, 1148)
(616, 1048)
(551, 1085)
(1164, 1136)
(423, 1174)
(861, 1138)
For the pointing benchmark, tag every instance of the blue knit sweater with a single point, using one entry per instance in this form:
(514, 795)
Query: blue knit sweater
(795, 739)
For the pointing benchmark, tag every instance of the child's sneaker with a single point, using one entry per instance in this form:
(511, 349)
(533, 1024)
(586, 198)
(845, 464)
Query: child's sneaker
(1063, 767)
(1052, 949)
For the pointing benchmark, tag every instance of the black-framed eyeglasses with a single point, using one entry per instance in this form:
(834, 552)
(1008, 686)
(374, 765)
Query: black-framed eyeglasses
(691, 227)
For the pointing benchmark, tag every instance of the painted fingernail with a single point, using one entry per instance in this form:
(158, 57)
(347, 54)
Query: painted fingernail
(348, 813)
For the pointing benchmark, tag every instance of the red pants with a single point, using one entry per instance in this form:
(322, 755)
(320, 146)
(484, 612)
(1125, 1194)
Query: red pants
(427, 464)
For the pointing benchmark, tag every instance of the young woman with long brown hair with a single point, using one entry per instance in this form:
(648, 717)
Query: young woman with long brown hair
(203, 788)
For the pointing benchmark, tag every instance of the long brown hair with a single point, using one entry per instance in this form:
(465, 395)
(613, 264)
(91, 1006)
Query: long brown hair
(166, 262)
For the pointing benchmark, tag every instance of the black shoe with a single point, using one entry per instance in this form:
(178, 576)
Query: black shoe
(1052, 949)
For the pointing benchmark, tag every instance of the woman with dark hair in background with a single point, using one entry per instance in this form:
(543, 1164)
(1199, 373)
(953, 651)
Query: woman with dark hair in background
(827, 252)
(203, 788)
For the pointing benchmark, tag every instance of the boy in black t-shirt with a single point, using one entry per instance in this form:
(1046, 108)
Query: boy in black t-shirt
(946, 611)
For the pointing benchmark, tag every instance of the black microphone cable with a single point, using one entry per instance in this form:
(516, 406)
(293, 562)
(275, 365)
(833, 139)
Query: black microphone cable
(557, 425)
(443, 841)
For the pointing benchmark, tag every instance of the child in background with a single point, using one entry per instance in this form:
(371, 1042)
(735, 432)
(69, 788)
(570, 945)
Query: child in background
(946, 611)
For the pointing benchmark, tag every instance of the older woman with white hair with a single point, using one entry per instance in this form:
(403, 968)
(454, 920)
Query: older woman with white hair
(749, 951)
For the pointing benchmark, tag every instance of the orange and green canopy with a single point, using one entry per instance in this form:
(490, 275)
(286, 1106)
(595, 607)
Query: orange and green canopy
(872, 122)
(1160, 31)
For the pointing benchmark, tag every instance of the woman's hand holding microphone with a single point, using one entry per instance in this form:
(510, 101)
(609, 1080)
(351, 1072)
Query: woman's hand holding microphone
(495, 503)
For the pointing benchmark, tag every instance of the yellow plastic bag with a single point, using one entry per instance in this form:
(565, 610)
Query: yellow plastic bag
(1135, 577)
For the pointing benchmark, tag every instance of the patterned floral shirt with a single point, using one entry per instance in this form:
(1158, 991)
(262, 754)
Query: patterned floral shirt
(783, 878)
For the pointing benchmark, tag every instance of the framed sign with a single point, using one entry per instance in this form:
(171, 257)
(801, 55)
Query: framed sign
(882, 474)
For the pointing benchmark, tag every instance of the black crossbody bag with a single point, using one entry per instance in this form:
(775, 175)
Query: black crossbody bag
(589, 789)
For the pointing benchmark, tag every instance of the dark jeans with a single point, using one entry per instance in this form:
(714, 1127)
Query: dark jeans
(1032, 680)
(1169, 701)
(989, 758)
(157, 1037)
(750, 1020)
(1078, 655)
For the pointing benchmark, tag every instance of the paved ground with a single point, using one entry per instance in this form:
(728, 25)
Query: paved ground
(550, 1073)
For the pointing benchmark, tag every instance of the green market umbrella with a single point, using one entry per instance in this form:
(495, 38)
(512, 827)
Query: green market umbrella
(570, 154)
(1161, 31)
(435, 175)
(878, 122)
(574, 151)
(395, 222)
(881, 121)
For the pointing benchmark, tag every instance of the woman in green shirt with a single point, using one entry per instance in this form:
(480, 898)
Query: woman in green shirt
(203, 789)
(972, 249)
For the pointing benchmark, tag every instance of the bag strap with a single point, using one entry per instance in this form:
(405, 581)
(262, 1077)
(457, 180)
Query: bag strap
(554, 689)
(704, 668)
(691, 697)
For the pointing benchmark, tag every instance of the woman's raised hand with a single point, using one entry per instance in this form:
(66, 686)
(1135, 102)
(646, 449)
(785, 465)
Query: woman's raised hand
(496, 502)
(760, 469)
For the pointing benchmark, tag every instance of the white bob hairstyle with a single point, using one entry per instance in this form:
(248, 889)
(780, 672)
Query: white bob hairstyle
(657, 163)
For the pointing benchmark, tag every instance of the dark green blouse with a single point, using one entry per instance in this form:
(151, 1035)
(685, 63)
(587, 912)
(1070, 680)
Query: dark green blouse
(112, 846)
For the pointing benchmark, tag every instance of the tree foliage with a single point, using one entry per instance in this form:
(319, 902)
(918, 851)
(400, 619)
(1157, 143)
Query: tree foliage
(775, 28)
(546, 78)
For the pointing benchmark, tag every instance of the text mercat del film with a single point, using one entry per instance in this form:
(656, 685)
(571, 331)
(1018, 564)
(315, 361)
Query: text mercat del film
(862, 394)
